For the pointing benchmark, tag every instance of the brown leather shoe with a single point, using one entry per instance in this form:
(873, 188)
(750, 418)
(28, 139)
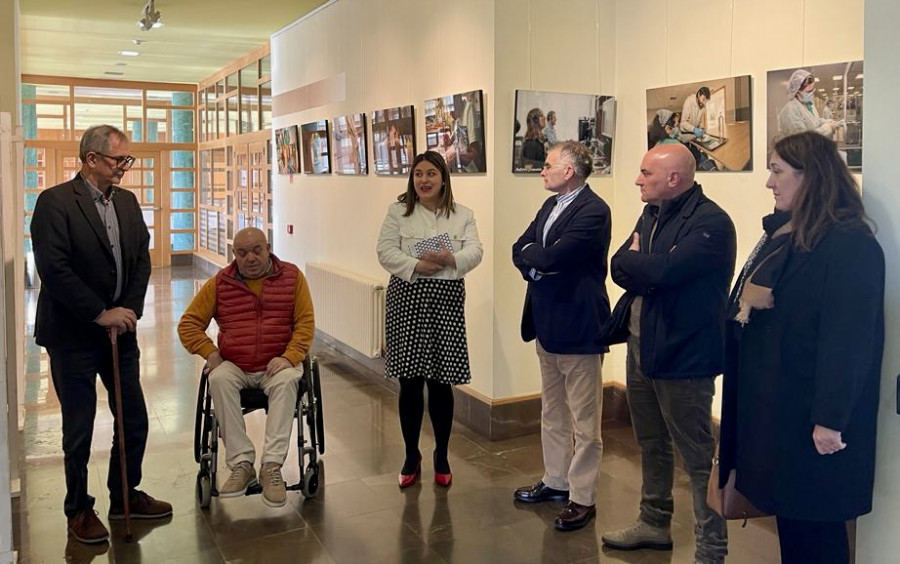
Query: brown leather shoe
(87, 528)
(574, 516)
(141, 506)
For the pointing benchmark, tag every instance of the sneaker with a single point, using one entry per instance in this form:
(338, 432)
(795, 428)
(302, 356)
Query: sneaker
(87, 528)
(242, 477)
(141, 506)
(273, 490)
(639, 535)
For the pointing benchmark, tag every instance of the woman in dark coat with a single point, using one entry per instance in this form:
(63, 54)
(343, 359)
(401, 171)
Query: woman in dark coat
(804, 343)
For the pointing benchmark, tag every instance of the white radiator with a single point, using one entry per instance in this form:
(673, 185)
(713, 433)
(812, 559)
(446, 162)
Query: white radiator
(348, 307)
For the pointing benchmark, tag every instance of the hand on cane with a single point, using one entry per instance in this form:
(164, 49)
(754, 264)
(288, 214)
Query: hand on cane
(122, 318)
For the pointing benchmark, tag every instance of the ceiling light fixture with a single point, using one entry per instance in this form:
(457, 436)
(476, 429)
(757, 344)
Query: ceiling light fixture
(150, 17)
(129, 53)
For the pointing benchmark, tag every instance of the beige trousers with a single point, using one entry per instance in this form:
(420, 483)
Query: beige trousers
(225, 384)
(571, 410)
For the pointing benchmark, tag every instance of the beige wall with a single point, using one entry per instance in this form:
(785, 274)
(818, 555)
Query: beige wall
(395, 53)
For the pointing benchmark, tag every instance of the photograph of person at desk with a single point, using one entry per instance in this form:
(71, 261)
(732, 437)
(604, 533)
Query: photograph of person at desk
(711, 118)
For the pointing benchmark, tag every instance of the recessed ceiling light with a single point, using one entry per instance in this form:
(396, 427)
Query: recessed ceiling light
(129, 53)
(121, 64)
(138, 41)
(837, 77)
(114, 73)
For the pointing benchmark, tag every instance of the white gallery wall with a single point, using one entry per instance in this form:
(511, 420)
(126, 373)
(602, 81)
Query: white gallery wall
(392, 53)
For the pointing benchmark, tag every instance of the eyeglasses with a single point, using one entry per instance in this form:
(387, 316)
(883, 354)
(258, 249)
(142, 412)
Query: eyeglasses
(124, 161)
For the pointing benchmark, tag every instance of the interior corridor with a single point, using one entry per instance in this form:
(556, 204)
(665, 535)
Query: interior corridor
(359, 515)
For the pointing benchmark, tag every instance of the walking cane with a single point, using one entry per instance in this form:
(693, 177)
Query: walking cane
(120, 430)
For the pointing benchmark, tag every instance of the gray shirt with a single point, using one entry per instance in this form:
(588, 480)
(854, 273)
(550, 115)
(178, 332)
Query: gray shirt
(110, 220)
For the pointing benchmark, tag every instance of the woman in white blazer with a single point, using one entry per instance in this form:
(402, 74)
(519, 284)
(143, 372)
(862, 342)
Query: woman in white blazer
(428, 243)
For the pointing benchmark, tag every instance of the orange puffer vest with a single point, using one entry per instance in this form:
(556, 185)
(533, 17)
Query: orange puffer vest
(253, 331)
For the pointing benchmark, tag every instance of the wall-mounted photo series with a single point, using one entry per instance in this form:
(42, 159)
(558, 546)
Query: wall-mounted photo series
(544, 119)
(824, 98)
(288, 150)
(393, 140)
(348, 133)
(316, 147)
(454, 127)
(711, 118)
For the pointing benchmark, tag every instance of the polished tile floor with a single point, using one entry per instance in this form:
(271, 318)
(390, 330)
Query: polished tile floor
(359, 515)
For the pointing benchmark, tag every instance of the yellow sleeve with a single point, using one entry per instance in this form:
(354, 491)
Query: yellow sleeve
(196, 318)
(304, 324)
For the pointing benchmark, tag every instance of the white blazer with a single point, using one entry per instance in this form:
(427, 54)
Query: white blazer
(399, 234)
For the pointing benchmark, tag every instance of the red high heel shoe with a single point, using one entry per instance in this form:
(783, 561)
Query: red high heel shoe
(407, 480)
(442, 480)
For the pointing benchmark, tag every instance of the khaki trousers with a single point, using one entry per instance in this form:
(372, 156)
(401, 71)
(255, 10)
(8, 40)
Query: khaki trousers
(571, 410)
(225, 384)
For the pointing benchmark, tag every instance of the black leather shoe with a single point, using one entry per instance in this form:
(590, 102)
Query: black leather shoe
(574, 516)
(540, 492)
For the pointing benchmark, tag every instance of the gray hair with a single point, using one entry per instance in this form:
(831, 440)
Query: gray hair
(578, 156)
(96, 140)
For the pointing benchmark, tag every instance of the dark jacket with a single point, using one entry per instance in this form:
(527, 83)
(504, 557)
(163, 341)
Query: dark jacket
(76, 264)
(565, 309)
(813, 359)
(683, 272)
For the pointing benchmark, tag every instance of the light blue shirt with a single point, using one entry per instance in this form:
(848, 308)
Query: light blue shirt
(562, 202)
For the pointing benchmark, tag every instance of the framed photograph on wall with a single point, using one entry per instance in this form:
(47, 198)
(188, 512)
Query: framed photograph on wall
(711, 118)
(348, 133)
(543, 119)
(454, 127)
(316, 147)
(824, 98)
(393, 140)
(287, 149)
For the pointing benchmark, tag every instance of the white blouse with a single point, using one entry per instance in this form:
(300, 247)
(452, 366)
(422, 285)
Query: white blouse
(399, 234)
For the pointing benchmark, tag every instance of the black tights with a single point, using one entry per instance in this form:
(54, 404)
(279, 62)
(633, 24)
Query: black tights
(822, 542)
(440, 410)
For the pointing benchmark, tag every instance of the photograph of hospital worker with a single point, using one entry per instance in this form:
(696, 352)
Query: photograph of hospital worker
(827, 99)
(545, 119)
(710, 118)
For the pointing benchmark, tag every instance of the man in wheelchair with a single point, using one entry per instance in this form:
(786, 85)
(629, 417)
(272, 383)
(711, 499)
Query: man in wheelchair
(264, 312)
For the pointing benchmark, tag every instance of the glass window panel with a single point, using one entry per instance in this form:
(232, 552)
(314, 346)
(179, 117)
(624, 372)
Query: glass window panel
(99, 92)
(182, 220)
(182, 241)
(231, 82)
(182, 200)
(42, 90)
(182, 126)
(265, 93)
(170, 97)
(182, 179)
(234, 117)
(148, 178)
(148, 216)
(181, 159)
(152, 237)
(220, 88)
(223, 128)
(30, 200)
(149, 196)
(265, 66)
(134, 111)
(28, 226)
(249, 76)
(135, 130)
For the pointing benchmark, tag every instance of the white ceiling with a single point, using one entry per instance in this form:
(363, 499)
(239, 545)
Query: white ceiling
(82, 38)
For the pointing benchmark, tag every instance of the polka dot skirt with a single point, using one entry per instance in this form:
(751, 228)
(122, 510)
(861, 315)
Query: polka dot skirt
(425, 330)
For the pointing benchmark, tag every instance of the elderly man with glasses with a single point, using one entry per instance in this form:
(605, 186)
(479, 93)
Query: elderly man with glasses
(562, 256)
(91, 249)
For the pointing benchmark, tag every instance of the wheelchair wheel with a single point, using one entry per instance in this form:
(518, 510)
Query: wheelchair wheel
(204, 489)
(311, 481)
(320, 423)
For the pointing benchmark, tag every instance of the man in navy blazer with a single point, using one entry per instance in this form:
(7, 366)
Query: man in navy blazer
(91, 250)
(562, 255)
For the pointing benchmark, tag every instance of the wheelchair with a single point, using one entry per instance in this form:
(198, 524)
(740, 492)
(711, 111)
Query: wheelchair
(307, 413)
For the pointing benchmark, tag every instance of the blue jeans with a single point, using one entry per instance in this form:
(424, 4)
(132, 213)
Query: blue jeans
(675, 412)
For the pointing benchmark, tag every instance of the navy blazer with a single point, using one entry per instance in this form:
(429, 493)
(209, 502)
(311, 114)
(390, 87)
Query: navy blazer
(566, 308)
(76, 264)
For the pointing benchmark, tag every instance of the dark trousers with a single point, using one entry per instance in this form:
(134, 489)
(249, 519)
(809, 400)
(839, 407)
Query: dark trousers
(669, 414)
(804, 542)
(74, 373)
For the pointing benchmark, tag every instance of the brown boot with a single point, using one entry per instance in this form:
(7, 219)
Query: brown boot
(87, 528)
